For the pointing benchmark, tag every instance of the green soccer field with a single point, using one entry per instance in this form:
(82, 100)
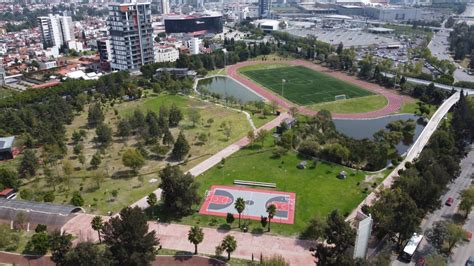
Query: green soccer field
(303, 86)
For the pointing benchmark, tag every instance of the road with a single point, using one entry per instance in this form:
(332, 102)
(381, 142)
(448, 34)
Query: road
(462, 253)
(412, 153)
(439, 47)
(427, 82)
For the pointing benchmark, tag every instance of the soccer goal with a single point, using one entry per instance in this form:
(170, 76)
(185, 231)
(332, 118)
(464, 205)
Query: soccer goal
(340, 97)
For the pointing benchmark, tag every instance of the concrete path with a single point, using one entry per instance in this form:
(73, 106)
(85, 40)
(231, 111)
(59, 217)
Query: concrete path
(174, 236)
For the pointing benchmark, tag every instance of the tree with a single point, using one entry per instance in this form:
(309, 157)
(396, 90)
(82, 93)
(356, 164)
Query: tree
(229, 245)
(95, 115)
(261, 136)
(229, 218)
(396, 214)
(9, 179)
(137, 120)
(251, 136)
(9, 239)
(96, 160)
(85, 254)
(124, 129)
(128, 238)
(180, 148)
(339, 49)
(168, 138)
(104, 134)
(68, 168)
(41, 228)
(467, 201)
(133, 158)
(195, 236)
(454, 235)
(339, 237)
(175, 116)
(179, 190)
(78, 148)
(152, 200)
(194, 116)
(97, 224)
(315, 230)
(60, 244)
(271, 210)
(77, 199)
(239, 207)
(28, 164)
(38, 244)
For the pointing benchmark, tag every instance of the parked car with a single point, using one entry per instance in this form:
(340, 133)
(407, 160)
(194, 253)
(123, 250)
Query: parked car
(470, 261)
(468, 236)
(449, 201)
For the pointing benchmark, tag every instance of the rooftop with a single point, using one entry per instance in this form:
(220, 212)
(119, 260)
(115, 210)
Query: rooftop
(6, 142)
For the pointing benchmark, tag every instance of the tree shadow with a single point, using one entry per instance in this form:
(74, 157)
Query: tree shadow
(123, 174)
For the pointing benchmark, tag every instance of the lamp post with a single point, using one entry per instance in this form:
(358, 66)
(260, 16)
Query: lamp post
(283, 81)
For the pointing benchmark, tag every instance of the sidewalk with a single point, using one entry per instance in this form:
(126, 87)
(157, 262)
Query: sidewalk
(174, 236)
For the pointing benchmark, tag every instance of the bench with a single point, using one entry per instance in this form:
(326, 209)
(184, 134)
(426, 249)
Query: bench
(254, 183)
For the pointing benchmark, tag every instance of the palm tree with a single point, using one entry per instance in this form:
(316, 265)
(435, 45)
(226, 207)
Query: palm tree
(151, 200)
(97, 225)
(271, 210)
(229, 244)
(240, 207)
(195, 236)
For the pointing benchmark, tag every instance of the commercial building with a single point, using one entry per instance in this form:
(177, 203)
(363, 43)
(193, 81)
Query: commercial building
(166, 54)
(264, 8)
(130, 35)
(56, 30)
(210, 22)
(267, 25)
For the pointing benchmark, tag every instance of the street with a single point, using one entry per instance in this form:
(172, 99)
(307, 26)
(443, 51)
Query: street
(439, 47)
(462, 253)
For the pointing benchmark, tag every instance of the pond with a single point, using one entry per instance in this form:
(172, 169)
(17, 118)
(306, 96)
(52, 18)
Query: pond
(227, 87)
(360, 129)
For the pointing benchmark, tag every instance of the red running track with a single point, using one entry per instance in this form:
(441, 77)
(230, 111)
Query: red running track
(394, 100)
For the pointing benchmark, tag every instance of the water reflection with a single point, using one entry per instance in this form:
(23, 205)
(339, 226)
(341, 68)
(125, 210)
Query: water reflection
(227, 88)
(360, 129)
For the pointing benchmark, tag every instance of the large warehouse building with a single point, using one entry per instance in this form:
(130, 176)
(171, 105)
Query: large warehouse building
(211, 23)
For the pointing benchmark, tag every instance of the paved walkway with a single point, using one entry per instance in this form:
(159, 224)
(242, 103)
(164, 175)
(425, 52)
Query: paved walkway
(395, 101)
(174, 236)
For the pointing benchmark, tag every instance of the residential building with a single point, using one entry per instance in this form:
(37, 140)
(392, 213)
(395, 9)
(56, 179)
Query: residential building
(56, 30)
(166, 54)
(264, 8)
(104, 49)
(130, 30)
(165, 7)
(193, 45)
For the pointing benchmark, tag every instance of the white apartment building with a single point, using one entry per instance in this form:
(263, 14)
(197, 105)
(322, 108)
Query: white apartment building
(56, 30)
(165, 7)
(193, 45)
(166, 54)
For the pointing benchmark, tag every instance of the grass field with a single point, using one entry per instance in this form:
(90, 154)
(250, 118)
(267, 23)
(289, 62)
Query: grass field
(354, 105)
(303, 86)
(130, 188)
(318, 190)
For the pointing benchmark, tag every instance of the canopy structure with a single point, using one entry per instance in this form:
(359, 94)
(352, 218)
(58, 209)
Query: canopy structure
(52, 215)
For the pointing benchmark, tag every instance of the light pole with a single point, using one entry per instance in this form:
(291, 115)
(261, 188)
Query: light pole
(283, 81)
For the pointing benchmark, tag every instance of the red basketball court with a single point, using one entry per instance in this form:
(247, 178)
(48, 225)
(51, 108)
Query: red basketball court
(220, 200)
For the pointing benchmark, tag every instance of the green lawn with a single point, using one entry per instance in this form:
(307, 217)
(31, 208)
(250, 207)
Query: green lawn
(98, 199)
(303, 85)
(355, 105)
(412, 108)
(318, 190)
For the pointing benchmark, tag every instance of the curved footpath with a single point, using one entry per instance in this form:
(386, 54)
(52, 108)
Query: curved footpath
(394, 100)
